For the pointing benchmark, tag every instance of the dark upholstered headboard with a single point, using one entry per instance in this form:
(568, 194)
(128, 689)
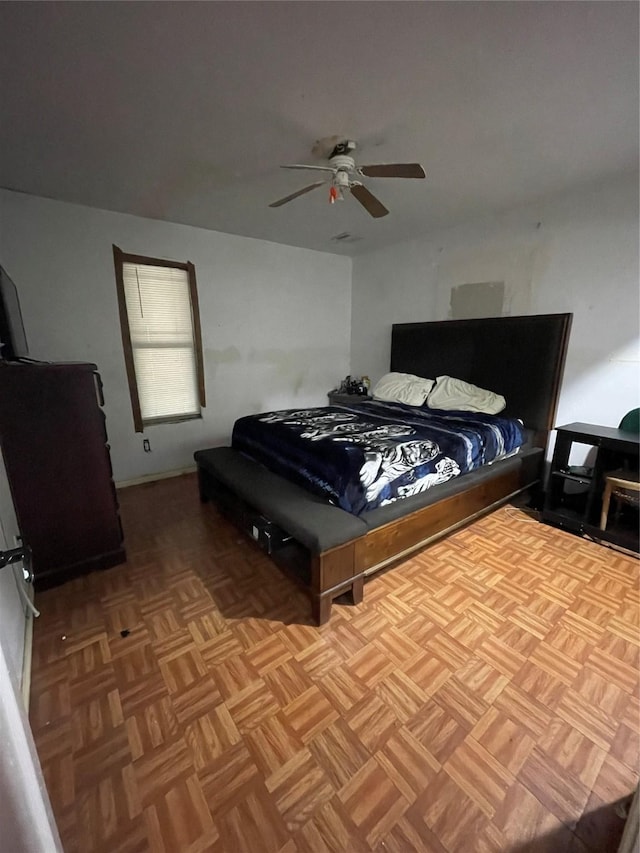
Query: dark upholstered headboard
(521, 358)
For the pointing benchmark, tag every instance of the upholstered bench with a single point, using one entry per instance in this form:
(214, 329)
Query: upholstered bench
(243, 488)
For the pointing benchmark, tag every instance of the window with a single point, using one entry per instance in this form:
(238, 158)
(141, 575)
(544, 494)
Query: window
(160, 326)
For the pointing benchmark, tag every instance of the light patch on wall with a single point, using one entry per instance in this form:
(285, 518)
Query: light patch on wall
(294, 369)
(229, 355)
(286, 360)
(509, 264)
(215, 358)
(479, 299)
(628, 354)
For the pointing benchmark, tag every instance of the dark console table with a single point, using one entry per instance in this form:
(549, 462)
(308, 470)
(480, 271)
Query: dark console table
(573, 498)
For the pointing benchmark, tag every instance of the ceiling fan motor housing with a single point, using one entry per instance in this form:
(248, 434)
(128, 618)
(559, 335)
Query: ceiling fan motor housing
(342, 163)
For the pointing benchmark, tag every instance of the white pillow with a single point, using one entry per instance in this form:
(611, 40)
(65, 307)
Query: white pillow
(450, 393)
(403, 388)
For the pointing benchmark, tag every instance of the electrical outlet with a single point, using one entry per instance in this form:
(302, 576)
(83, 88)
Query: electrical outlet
(146, 445)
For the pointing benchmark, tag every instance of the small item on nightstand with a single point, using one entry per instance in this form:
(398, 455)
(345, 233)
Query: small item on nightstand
(353, 385)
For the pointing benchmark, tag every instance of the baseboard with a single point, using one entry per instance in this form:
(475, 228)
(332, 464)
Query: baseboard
(151, 478)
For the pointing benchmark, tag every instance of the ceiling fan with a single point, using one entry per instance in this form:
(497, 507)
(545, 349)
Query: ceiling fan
(344, 174)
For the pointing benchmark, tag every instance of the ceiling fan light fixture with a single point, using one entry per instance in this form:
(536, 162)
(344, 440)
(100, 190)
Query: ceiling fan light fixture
(343, 168)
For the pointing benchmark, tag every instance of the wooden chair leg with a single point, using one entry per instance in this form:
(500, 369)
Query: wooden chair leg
(617, 503)
(606, 500)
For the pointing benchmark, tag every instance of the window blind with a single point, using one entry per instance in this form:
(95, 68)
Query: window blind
(162, 339)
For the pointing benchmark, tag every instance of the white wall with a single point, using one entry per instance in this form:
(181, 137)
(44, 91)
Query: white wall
(26, 819)
(27, 824)
(275, 319)
(576, 252)
(13, 613)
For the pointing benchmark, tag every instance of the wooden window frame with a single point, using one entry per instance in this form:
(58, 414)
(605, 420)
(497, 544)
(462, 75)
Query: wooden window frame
(119, 259)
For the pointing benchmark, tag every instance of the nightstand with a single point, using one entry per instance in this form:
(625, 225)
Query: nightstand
(574, 497)
(338, 399)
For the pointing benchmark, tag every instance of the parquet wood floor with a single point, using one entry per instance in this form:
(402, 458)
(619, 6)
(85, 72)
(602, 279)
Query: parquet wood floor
(483, 697)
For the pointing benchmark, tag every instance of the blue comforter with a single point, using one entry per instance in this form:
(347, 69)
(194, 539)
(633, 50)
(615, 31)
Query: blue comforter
(371, 454)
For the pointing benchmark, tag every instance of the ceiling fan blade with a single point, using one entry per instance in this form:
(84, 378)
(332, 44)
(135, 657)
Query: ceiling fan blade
(304, 190)
(393, 170)
(370, 203)
(313, 168)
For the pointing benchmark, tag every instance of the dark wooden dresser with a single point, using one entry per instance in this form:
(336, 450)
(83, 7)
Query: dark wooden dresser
(54, 444)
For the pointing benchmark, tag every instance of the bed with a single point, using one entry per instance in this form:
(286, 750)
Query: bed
(331, 538)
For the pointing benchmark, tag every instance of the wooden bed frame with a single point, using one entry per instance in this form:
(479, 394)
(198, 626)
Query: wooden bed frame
(521, 358)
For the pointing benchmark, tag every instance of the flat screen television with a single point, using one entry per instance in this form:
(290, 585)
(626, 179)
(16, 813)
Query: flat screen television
(13, 340)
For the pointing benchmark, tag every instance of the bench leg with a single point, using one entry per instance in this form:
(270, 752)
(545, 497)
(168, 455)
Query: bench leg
(204, 497)
(321, 608)
(321, 604)
(357, 590)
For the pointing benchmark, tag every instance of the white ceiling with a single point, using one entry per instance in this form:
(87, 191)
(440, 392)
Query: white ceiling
(183, 111)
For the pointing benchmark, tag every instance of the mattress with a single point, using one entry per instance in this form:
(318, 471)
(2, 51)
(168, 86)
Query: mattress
(371, 455)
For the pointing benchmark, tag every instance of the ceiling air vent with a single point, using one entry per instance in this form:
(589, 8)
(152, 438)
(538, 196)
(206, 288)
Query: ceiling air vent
(345, 237)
